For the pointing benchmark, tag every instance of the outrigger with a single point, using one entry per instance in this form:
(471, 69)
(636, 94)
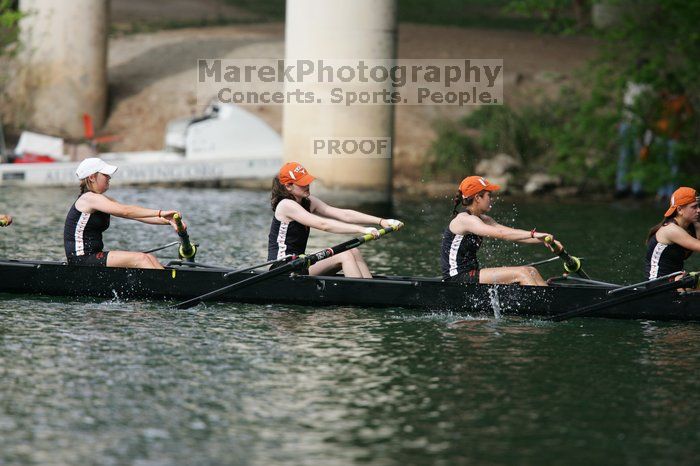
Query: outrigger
(193, 283)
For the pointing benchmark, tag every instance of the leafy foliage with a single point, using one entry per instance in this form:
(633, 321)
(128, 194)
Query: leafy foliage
(9, 21)
(656, 42)
(452, 152)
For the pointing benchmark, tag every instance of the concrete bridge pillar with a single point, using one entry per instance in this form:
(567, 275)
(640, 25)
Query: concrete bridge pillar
(63, 64)
(341, 29)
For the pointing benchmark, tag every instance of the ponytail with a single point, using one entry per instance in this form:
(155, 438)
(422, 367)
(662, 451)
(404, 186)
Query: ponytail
(463, 201)
(457, 200)
(84, 186)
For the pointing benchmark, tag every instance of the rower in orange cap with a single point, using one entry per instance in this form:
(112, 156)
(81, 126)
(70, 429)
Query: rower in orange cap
(675, 238)
(296, 211)
(462, 238)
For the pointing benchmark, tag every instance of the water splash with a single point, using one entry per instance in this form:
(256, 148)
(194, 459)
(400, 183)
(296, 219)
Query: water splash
(495, 302)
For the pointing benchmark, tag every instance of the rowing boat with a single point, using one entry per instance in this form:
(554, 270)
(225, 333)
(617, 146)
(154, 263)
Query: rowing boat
(182, 280)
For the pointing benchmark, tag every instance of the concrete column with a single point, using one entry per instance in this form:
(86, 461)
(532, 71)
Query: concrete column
(341, 29)
(63, 64)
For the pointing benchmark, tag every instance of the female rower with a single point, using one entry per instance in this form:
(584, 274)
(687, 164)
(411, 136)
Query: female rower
(673, 240)
(5, 220)
(296, 211)
(89, 216)
(462, 239)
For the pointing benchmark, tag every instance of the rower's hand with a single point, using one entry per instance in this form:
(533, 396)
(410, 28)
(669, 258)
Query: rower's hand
(5, 220)
(555, 246)
(550, 243)
(174, 224)
(371, 231)
(391, 222)
(168, 214)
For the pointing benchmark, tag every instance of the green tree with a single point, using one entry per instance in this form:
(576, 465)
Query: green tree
(9, 24)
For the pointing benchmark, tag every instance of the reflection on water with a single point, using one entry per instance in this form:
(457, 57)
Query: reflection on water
(86, 382)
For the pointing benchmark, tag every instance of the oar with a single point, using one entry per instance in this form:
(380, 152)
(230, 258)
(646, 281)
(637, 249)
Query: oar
(286, 258)
(187, 250)
(294, 264)
(161, 247)
(546, 261)
(689, 281)
(572, 264)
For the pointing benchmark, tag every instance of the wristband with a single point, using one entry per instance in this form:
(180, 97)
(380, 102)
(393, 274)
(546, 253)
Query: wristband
(159, 213)
(380, 221)
(532, 232)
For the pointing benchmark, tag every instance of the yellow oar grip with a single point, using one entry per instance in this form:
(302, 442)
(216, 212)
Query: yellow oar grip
(178, 222)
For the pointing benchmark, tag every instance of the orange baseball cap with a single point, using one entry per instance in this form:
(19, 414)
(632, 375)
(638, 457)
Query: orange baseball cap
(473, 185)
(293, 172)
(681, 196)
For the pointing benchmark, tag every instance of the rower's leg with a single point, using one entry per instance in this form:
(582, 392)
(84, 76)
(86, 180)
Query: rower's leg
(506, 275)
(137, 260)
(330, 266)
(361, 264)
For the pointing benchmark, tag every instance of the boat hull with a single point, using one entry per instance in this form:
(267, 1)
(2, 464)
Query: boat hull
(429, 294)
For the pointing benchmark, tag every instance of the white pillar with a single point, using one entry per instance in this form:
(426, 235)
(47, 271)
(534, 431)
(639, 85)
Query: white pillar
(341, 29)
(64, 63)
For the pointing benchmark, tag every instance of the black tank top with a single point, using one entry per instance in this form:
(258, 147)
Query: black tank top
(286, 238)
(663, 259)
(82, 234)
(458, 253)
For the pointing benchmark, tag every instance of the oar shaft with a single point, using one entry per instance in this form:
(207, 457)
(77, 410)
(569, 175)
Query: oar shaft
(243, 283)
(187, 250)
(253, 267)
(161, 247)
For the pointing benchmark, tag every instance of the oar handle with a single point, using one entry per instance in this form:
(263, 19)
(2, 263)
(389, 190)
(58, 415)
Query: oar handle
(178, 224)
(187, 250)
(572, 264)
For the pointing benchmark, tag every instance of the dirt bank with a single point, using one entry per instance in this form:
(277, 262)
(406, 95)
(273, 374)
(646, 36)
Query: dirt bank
(152, 75)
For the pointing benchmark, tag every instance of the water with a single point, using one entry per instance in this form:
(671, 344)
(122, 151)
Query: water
(87, 382)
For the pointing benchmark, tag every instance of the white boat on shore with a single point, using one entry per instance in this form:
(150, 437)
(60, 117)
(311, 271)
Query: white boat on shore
(227, 146)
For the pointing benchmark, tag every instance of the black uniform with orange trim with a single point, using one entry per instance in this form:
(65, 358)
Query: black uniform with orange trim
(82, 237)
(458, 257)
(286, 238)
(663, 259)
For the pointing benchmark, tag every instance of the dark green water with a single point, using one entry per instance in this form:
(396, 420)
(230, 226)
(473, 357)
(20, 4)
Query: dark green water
(86, 382)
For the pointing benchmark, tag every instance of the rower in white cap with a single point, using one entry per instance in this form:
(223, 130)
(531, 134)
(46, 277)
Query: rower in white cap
(90, 215)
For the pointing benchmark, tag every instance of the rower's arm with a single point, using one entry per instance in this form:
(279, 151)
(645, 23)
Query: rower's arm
(490, 228)
(153, 220)
(677, 235)
(102, 203)
(291, 210)
(520, 236)
(344, 215)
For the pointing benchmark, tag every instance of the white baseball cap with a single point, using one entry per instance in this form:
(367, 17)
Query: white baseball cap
(94, 165)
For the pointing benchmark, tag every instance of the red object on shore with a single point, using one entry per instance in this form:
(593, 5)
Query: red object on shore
(34, 158)
(88, 127)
